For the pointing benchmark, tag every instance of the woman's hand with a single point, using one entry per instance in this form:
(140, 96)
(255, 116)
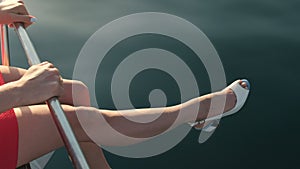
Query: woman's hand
(39, 83)
(14, 11)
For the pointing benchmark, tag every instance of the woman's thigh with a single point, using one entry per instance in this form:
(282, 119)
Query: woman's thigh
(38, 134)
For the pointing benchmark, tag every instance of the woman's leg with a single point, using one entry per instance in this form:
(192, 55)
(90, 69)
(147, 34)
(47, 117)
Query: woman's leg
(36, 122)
(115, 118)
(38, 135)
(93, 153)
(77, 94)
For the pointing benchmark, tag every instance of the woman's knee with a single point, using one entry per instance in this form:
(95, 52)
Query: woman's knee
(80, 93)
(75, 93)
(80, 86)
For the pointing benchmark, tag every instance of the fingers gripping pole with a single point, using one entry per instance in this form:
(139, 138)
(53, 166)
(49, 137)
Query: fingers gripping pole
(57, 112)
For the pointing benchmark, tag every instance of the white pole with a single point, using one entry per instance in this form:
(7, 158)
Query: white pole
(57, 112)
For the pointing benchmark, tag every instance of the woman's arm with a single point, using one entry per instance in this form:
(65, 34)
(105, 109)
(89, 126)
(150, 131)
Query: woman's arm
(9, 96)
(11, 73)
(30, 88)
(13, 11)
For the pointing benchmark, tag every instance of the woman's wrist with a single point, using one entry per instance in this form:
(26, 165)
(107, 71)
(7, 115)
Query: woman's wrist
(17, 94)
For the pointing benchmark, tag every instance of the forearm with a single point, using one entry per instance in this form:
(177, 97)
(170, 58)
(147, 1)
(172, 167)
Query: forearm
(9, 96)
(12, 73)
(26, 87)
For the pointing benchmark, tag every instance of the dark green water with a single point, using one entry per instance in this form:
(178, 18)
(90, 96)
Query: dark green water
(258, 39)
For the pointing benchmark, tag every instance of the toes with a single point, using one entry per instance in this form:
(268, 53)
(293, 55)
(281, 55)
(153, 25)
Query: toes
(245, 84)
(199, 126)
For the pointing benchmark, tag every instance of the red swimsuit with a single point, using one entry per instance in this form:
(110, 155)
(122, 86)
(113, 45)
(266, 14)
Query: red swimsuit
(8, 137)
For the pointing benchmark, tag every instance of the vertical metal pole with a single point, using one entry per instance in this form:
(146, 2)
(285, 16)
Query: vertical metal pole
(57, 112)
(4, 45)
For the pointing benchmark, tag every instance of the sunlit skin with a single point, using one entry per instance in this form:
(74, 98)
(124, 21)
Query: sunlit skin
(26, 91)
(35, 120)
(12, 11)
